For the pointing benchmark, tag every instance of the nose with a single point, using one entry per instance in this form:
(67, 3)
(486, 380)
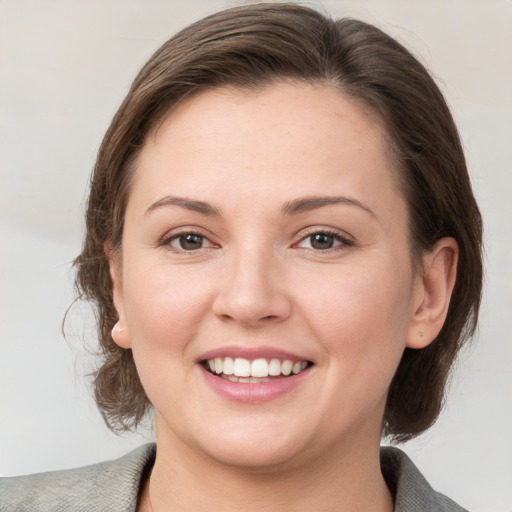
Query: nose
(251, 289)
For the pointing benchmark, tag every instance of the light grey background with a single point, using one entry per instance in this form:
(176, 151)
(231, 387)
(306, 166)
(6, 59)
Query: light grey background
(65, 65)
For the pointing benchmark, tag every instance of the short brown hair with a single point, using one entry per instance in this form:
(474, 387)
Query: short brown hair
(252, 46)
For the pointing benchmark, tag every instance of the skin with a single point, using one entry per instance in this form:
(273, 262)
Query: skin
(256, 280)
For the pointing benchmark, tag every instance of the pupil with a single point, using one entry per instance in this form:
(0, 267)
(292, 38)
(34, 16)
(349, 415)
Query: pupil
(322, 241)
(191, 241)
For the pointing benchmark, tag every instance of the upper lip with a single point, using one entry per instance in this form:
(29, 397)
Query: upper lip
(251, 353)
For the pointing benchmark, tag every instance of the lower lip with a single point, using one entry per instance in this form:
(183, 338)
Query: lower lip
(253, 392)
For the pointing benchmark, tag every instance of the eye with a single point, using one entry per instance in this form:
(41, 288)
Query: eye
(323, 241)
(188, 241)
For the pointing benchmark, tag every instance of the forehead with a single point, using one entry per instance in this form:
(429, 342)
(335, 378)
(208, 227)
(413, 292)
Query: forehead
(288, 99)
(285, 134)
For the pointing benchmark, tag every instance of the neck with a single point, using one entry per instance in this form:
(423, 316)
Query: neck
(345, 480)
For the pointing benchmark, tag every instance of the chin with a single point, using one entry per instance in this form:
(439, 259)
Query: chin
(252, 444)
(256, 457)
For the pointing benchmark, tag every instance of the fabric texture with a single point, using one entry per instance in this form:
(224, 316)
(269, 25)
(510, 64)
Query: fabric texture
(106, 487)
(412, 492)
(114, 486)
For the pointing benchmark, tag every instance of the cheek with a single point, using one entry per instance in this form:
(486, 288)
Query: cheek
(163, 307)
(362, 315)
(163, 312)
(362, 327)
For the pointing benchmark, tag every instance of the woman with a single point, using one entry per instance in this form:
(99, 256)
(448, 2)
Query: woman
(285, 255)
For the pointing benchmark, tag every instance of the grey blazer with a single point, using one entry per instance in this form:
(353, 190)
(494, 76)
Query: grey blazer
(114, 486)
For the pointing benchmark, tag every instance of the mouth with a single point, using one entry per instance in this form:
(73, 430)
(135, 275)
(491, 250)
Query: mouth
(254, 371)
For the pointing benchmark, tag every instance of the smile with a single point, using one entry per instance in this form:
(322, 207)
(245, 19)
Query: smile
(254, 374)
(258, 370)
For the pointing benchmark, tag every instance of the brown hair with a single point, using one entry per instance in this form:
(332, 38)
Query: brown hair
(252, 46)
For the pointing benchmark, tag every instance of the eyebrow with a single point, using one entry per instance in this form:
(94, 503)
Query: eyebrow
(189, 204)
(294, 207)
(307, 204)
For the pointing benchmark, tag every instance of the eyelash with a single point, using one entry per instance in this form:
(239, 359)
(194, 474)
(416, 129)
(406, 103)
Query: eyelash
(167, 240)
(344, 241)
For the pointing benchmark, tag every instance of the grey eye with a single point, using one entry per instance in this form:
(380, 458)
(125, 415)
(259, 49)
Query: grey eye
(321, 241)
(189, 241)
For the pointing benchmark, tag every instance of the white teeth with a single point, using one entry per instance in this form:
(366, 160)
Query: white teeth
(274, 368)
(299, 366)
(242, 367)
(286, 367)
(229, 366)
(244, 370)
(259, 368)
(247, 380)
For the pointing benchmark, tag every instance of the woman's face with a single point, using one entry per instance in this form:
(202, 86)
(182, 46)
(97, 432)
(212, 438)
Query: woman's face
(265, 233)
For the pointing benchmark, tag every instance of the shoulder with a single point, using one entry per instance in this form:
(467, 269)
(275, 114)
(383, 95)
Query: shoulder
(112, 486)
(412, 492)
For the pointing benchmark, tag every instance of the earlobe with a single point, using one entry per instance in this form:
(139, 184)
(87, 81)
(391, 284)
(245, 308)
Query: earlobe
(435, 290)
(120, 333)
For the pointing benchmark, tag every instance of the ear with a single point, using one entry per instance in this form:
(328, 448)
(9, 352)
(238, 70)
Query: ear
(120, 332)
(433, 293)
